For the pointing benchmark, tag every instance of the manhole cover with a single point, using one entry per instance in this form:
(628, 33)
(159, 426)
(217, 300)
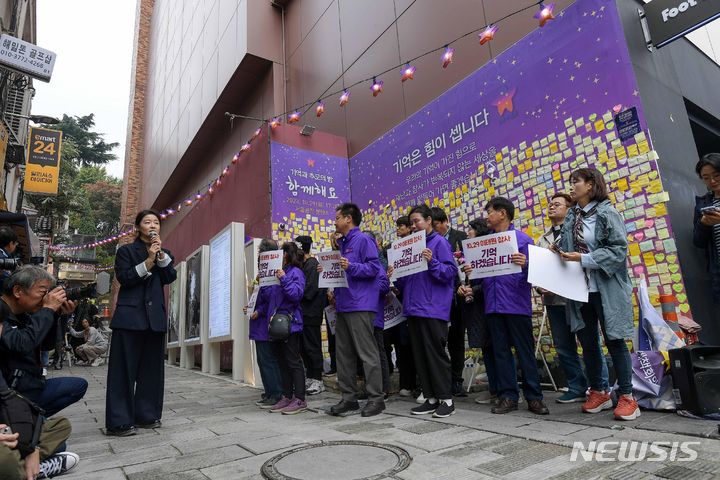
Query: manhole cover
(351, 460)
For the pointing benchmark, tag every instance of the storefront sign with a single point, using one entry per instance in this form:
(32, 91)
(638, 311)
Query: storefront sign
(405, 255)
(332, 275)
(489, 255)
(669, 20)
(26, 57)
(42, 170)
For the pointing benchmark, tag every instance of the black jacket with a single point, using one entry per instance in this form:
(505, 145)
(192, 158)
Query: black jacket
(314, 299)
(23, 336)
(455, 237)
(703, 238)
(141, 300)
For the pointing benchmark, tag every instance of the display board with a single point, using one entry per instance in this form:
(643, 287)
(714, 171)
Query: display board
(195, 290)
(226, 281)
(176, 307)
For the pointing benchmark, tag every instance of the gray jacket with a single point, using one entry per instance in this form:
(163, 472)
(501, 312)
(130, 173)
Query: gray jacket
(612, 278)
(94, 339)
(549, 299)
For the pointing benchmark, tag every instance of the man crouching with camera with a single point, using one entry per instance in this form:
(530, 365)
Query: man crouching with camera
(29, 306)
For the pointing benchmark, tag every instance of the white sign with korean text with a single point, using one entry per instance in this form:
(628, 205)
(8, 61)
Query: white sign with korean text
(405, 255)
(331, 318)
(253, 300)
(393, 311)
(26, 57)
(489, 255)
(270, 262)
(332, 274)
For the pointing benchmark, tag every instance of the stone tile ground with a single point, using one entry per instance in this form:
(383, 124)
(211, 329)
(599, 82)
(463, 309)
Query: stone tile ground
(212, 430)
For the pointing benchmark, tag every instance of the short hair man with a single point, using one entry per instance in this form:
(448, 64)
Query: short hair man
(28, 306)
(8, 242)
(356, 307)
(508, 309)
(404, 228)
(563, 339)
(456, 332)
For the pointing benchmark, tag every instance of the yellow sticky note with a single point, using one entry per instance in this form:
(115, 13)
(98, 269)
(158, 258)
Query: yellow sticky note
(643, 147)
(556, 175)
(599, 126)
(292, 215)
(554, 147)
(649, 258)
(634, 249)
(633, 150)
(622, 184)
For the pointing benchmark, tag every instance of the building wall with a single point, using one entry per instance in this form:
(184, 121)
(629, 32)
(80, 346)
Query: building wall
(666, 77)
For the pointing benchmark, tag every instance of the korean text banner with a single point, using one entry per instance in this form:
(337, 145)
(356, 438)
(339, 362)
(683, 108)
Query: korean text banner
(517, 127)
(307, 186)
(42, 170)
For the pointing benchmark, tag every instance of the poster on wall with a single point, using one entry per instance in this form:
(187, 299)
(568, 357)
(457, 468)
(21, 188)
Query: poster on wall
(307, 187)
(175, 298)
(517, 127)
(219, 285)
(193, 296)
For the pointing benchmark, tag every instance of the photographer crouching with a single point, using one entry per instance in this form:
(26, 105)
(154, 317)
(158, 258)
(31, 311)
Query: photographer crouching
(29, 309)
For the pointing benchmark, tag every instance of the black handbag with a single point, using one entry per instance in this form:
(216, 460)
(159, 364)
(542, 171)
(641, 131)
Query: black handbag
(24, 417)
(279, 327)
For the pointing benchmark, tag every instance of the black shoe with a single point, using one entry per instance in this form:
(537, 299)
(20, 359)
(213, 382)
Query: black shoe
(505, 405)
(372, 409)
(153, 424)
(458, 390)
(444, 410)
(121, 431)
(344, 407)
(424, 409)
(538, 407)
(362, 395)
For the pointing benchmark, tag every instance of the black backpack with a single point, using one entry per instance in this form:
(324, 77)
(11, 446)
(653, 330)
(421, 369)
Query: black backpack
(24, 417)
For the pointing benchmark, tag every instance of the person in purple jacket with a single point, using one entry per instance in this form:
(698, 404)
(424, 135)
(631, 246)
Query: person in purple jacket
(286, 298)
(508, 311)
(356, 307)
(426, 298)
(265, 350)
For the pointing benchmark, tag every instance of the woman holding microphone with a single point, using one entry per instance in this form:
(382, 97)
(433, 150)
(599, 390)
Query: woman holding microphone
(594, 234)
(136, 372)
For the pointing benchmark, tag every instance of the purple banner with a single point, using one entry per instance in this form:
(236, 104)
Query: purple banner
(307, 186)
(517, 127)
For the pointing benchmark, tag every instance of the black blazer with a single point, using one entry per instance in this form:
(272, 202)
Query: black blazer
(141, 301)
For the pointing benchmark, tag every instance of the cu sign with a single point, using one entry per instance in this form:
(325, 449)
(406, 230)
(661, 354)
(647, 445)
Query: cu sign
(669, 20)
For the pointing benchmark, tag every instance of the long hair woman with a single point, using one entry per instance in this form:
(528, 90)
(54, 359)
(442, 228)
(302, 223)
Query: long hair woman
(594, 234)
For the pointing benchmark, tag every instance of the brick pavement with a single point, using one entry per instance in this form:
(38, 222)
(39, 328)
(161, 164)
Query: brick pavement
(212, 430)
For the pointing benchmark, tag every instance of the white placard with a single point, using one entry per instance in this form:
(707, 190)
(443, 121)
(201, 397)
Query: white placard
(253, 300)
(405, 255)
(332, 275)
(26, 57)
(393, 311)
(219, 285)
(269, 263)
(331, 318)
(548, 270)
(489, 255)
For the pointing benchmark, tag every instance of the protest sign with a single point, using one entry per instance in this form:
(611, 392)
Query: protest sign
(393, 311)
(405, 255)
(269, 263)
(331, 318)
(489, 255)
(253, 300)
(332, 274)
(548, 270)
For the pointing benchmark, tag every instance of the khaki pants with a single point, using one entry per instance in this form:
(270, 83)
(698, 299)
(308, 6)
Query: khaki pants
(89, 353)
(55, 432)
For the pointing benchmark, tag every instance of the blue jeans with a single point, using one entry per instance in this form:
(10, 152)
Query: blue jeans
(592, 313)
(566, 347)
(61, 392)
(509, 330)
(269, 369)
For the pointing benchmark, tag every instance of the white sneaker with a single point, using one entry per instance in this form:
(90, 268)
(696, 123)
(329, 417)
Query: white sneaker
(404, 392)
(420, 399)
(58, 464)
(316, 386)
(308, 384)
(97, 362)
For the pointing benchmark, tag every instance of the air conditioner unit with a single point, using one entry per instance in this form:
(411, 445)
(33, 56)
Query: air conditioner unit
(18, 103)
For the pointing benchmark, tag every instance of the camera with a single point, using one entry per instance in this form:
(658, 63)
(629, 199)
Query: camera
(79, 293)
(9, 264)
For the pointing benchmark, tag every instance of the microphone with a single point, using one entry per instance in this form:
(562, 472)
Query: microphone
(153, 235)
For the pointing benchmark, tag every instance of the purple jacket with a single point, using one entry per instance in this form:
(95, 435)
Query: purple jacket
(510, 293)
(283, 298)
(384, 290)
(429, 294)
(363, 289)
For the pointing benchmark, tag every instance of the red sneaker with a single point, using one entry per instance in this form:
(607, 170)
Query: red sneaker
(597, 402)
(627, 409)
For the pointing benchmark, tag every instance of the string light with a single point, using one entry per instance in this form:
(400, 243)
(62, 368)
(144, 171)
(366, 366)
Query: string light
(488, 34)
(245, 148)
(275, 122)
(344, 98)
(545, 13)
(407, 73)
(447, 56)
(377, 87)
(320, 109)
(294, 117)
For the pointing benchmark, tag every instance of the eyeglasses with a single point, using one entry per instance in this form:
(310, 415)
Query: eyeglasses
(715, 177)
(557, 204)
